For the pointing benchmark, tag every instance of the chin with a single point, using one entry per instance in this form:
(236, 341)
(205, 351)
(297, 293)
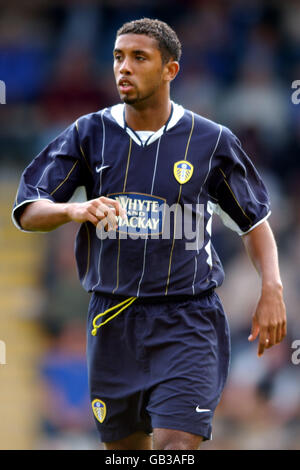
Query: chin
(128, 100)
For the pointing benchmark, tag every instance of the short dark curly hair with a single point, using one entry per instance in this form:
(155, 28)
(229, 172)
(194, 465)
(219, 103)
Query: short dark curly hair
(168, 42)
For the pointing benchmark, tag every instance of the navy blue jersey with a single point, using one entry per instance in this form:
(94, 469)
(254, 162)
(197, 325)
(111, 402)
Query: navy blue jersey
(185, 172)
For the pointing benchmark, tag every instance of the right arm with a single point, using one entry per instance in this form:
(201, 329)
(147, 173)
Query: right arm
(45, 216)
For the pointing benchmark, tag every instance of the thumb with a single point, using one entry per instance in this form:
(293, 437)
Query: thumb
(254, 331)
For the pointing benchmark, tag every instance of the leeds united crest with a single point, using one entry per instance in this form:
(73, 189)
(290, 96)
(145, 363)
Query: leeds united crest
(183, 171)
(99, 409)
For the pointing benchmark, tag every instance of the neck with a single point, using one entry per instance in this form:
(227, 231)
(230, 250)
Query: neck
(148, 117)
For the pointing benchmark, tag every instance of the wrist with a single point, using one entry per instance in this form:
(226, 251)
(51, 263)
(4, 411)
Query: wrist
(67, 211)
(271, 286)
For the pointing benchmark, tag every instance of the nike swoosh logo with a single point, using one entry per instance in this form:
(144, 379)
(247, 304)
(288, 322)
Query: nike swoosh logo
(201, 410)
(101, 168)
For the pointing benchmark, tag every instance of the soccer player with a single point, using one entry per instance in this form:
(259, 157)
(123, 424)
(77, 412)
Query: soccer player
(158, 343)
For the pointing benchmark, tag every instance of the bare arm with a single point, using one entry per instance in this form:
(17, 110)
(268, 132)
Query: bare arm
(45, 215)
(269, 319)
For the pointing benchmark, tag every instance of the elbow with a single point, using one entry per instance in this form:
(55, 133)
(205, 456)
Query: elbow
(24, 221)
(25, 218)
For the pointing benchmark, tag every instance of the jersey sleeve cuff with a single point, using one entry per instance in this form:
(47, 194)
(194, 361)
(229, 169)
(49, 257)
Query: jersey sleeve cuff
(28, 201)
(255, 225)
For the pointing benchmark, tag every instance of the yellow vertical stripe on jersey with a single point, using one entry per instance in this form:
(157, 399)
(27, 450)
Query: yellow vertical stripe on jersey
(66, 178)
(119, 241)
(127, 166)
(118, 266)
(81, 149)
(189, 139)
(89, 252)
(179, 196)
(233, 195)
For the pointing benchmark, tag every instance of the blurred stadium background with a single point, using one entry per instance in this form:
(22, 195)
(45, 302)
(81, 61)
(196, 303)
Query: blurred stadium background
(240, 58)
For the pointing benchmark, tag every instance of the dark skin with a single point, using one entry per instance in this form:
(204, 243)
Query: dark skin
(269, 318)
(147, 101)
(143, 82)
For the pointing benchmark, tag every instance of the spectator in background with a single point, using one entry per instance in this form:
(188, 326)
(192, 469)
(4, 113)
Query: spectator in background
(75, 88)
(23, 56)
(257, 101)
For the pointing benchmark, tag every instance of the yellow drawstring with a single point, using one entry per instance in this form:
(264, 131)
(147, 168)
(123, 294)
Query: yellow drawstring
(127, 302)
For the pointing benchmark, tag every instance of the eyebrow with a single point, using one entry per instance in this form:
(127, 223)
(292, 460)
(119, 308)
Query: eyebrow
(136, 51)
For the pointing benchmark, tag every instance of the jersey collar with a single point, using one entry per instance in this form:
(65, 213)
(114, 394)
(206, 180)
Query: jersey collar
(118, 113)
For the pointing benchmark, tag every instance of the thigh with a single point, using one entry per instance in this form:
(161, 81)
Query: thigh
(189, 365)
(170, 439)
(116, 378)
(136, 441)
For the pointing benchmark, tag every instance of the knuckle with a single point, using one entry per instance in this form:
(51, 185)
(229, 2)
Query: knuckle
(265, 328)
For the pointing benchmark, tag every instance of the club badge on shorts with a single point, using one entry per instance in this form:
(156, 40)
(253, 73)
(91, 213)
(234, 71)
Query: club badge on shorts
(99, 409)
(183, 171)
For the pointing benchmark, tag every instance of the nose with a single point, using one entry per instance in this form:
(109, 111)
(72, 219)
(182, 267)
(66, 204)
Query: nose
(125, 68)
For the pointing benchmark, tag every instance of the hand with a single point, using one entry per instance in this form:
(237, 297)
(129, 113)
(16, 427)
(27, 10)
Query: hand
(269, 319)
(102, 209)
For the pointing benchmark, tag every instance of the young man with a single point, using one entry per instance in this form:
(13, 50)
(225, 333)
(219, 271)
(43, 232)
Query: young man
(160, 360)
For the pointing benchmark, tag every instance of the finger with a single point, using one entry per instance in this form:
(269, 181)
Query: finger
(254, 330)
(281, 333)
(109, 213)
(98, 217)
(261, 349)
(272, 336)
(111, 202)
(284, 330)
(112, 219)
(107, 217)
(109, 222)
(91, 218)
(99, 213)
(263, 342)
(104, 222)
(268, 344)
(103, 209)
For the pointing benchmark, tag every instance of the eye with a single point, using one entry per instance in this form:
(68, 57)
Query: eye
(117, 57)
(140, 58)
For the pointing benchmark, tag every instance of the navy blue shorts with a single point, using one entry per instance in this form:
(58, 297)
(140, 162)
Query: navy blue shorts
(157, 365)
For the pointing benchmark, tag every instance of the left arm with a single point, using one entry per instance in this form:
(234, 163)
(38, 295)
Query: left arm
(269, 319)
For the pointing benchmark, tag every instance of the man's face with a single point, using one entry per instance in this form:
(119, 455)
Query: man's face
(138, 68)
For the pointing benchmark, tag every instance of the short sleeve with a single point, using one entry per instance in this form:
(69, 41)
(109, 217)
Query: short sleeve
(239, 195)
(54, 174)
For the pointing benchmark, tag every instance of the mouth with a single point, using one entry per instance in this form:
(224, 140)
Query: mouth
(125, 85)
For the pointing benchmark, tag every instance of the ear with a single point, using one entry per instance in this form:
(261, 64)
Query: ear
(171, 69)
